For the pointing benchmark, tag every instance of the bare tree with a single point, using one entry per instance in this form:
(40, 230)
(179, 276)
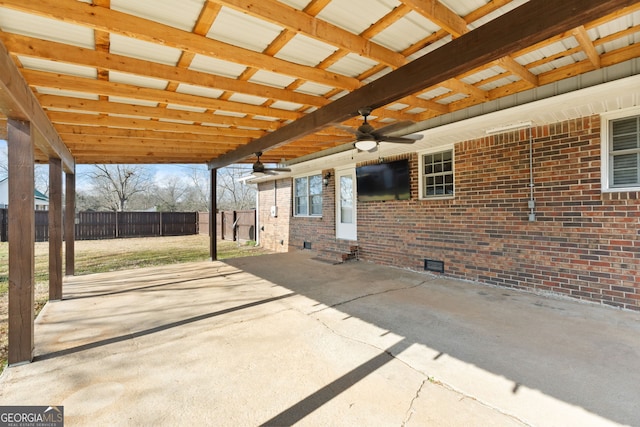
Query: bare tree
(233, 193)
(171, 194)
(115, 185)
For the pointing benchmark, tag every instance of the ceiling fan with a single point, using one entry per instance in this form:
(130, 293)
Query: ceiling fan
(260, 169)
(368, 138)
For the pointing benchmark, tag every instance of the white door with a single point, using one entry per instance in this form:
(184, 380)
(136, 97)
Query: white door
(346, 204)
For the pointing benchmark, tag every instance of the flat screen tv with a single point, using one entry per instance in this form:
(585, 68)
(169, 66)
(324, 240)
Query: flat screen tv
(383, 181)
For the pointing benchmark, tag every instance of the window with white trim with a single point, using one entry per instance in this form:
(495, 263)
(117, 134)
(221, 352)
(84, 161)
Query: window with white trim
(307, 195)
(624, 153)
(436, 174)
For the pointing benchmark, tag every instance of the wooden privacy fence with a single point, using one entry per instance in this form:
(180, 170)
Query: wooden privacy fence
(110, 225)
(231, 225)
(236, 225)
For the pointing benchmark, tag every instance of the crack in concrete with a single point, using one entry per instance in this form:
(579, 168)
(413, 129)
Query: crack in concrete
(371, 295)
(411, 411)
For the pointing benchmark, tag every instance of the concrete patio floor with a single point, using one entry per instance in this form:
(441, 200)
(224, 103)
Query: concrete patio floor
(283, 339)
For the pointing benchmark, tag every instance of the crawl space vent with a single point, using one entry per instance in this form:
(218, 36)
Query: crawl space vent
(433, 265)
(306, 245)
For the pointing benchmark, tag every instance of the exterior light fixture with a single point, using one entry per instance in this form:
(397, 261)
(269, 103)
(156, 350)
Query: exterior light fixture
(325, 180)
(366, 144)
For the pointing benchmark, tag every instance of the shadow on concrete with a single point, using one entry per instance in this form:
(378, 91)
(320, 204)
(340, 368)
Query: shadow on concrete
(582, 354)
(306, 406)
(156, 329)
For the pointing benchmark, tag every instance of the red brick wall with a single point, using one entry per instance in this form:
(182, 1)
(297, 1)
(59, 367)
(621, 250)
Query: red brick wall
(274, 232)
(319, 231)
(584, 243)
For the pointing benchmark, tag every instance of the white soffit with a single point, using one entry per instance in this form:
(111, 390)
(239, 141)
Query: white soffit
(13, 21)
(181, 14)
(240, 29)
(135, 80)
(463, 7)
(207, 64)
(140, 49)
(58, 67)
(496, 13)
(305, 50)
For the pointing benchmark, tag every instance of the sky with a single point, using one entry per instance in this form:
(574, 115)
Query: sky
(161, 172)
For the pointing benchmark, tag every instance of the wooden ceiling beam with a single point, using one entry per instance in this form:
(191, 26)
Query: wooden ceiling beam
(131, 123)
(528, 24)
(93, 86)
(302, 23)
(106, 107)
(127, 25)
(587, 46)
(43, 49)
(18, 102)
(440, 15)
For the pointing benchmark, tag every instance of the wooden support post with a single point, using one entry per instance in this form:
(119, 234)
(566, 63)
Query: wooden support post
(55, 229)
(21, 242)
(70, 224)
(213, 227)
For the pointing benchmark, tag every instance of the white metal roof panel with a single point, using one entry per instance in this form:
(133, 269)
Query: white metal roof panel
(352, 65)
(135, 80)
(271, 79)
(199, 90)
(70, 93)
(439, 91)
(207, 64)
(506, 80)
(312, 88)
(247, 99)
(186, 108)
(58, 67)
(298, 4)
(179, 14)
(463, 7)
(356, 15)
(496, 13)
(140, 49)
(406, 31)
(482, 75)
(243, 30)
(13, 21)
(132, 101)
(305, 50)
(283, 105)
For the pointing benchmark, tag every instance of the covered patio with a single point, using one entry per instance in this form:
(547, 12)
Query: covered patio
(283, 339)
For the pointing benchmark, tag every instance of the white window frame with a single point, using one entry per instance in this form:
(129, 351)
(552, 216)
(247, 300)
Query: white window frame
(421, 155)
(295, 196)
(605, 145)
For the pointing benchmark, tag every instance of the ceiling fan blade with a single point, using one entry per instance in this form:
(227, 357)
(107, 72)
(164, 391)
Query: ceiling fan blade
(394, 127)
(399, 140)
(278, 169)
(347, 129)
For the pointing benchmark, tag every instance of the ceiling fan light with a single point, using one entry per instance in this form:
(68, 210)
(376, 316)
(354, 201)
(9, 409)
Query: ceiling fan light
(366, 144)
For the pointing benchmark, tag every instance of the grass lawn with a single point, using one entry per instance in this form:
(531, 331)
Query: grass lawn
(97, 256)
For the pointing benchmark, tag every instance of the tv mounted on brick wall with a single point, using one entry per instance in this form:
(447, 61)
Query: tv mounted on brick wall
(383, 181)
